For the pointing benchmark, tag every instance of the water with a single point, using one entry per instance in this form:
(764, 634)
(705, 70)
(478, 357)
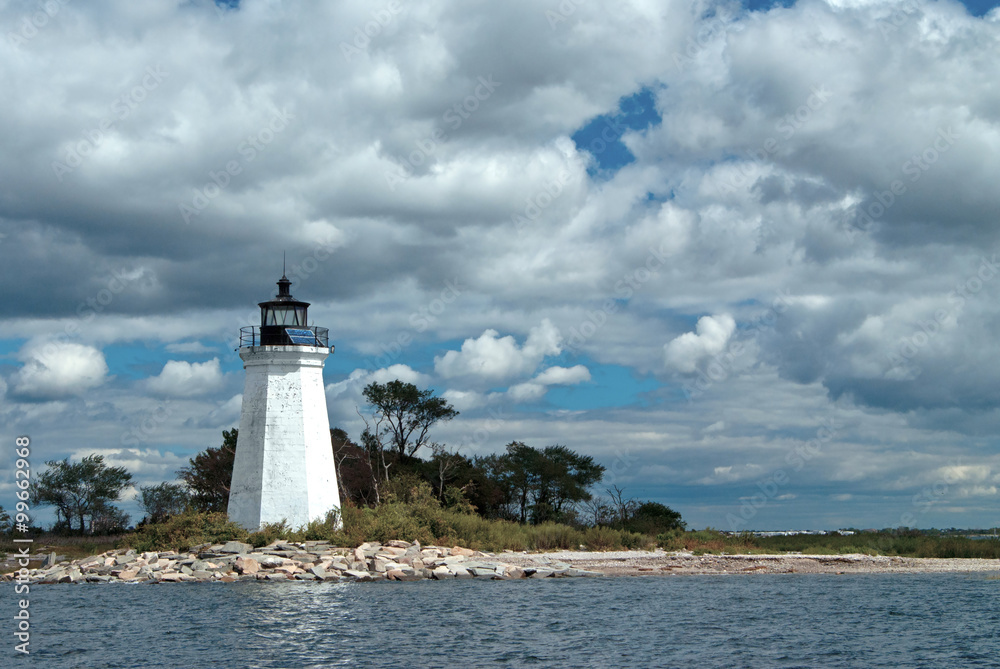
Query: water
(884, 620)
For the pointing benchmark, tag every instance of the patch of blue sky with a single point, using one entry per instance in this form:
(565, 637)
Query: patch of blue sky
(974, 7)
(601, 137)
(610, 386)
(980, 7)
(10, 347)
(137, 361)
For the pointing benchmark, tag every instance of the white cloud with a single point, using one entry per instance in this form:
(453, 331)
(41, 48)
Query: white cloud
(403, 373)
(55, 370)
(684, 353)
(525, 392)
(465, 400)
(359, 378)
(189, 347)
(492, 358)
(186, 379)
(565, 376)
(536, 388)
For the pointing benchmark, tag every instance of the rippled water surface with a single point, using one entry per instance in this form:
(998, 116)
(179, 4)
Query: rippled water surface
(911, 620)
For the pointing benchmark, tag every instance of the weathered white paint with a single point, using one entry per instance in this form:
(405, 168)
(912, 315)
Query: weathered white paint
(284, 465)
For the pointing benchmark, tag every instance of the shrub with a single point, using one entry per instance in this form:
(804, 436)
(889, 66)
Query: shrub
(184, 530)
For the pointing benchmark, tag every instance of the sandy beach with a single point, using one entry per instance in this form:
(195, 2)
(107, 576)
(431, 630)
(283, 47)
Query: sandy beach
(660, 563)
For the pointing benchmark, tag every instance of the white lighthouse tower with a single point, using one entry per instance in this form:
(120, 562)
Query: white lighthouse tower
(284, 467)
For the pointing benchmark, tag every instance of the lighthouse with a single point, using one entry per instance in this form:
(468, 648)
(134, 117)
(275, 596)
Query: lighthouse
(284, 468)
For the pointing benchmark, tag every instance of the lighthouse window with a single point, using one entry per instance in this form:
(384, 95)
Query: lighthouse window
(284, 316)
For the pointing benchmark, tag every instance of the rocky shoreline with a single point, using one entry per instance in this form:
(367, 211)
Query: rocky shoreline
(404, 561)
(281, 561)
(647, 563)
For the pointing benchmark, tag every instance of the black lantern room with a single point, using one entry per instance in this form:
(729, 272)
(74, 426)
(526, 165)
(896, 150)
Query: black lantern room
(283, 310)
(284, 321)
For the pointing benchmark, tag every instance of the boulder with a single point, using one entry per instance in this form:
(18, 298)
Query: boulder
(271, 561)
(396, 543)
(318, 572)
(458, 550)
(235, 547)
(128, 574)
(441, 573)
(403, 575)
(358, 575)
(246, 565)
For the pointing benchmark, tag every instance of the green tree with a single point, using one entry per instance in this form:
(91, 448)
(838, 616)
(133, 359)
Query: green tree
(404, 415)
(163, 500)
(653, 518)
(519, 470)
(79, 490)
(544, 484)
(564, 477)
(5, 521)
(210, 474)
(108, 519)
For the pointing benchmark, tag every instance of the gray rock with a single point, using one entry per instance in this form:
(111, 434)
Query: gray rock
(186, 570)
(95, 560)
(271, 561)
(358, 575)
(318, 572)
(235, 547)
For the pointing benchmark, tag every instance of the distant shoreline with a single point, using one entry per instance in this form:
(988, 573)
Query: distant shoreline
(660, 563)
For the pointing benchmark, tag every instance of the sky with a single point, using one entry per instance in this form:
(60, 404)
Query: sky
(744, 255)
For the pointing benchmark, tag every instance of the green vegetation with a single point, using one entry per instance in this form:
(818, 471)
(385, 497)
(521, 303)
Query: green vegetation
(82, 493)
(414, 515)
(210, 473)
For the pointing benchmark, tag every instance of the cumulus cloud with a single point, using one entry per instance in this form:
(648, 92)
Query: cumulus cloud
(536, 388)
(464, 400)
(54, 370)
(359, 378)
(491, 357)
(686, 352)
(186, 379)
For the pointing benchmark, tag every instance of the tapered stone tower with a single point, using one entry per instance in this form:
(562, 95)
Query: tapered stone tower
(284, 467)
